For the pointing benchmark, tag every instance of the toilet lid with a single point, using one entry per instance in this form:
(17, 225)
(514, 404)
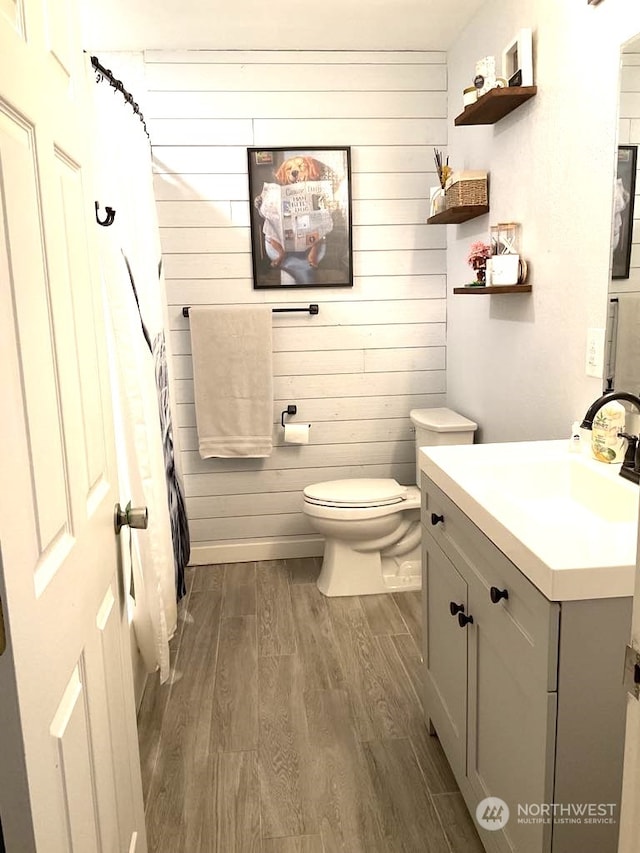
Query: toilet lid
(356, 493)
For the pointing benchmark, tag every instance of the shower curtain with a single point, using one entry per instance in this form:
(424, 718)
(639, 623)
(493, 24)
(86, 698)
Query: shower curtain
(131, 269)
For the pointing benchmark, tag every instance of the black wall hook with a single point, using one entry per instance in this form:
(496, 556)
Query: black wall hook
(108, 220)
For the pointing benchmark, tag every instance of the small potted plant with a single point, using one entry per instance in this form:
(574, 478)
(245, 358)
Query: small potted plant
(478, 255)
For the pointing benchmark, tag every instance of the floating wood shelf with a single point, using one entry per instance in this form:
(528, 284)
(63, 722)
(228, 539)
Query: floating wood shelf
(455, 215)
(495, 288)
(496, 104)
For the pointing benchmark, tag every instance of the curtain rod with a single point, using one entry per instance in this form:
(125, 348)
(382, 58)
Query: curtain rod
(310, 309)
(103, 73)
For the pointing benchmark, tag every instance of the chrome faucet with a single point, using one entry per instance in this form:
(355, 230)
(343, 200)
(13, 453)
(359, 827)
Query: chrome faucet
(630, 469)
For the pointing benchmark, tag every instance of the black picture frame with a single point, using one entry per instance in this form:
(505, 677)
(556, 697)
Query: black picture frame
(300, 214)
(624, 197)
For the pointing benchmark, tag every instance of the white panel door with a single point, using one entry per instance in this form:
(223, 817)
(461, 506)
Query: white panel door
(69, 767)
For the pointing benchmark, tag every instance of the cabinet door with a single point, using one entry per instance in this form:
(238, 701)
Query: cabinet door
(445, 653)
(512, 720)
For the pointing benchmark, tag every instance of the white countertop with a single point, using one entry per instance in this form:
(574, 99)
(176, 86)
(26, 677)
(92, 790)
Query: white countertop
(568, 522)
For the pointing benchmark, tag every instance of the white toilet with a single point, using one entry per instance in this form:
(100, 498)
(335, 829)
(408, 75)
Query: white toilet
(372, 527)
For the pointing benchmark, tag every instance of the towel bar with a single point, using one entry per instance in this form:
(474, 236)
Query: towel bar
(310, 309)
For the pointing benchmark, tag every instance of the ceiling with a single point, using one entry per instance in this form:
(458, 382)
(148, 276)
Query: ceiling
(257, 25)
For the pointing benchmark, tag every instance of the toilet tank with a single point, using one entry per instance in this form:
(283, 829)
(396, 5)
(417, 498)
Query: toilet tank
(438, 427)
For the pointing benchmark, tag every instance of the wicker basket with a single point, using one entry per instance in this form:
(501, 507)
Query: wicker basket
(466, 188)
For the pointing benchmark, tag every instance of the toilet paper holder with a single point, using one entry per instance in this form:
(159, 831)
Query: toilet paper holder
(290, 410)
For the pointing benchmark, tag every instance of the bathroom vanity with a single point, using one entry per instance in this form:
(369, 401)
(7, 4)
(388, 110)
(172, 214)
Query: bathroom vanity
(525, 636)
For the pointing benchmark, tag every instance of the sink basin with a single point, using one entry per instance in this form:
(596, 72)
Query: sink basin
(567, 521)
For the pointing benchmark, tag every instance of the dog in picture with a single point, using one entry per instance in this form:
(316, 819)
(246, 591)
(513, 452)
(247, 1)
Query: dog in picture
(296, 210)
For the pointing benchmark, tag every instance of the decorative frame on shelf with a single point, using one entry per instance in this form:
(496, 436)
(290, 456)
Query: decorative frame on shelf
(517, 60)
(300, 211)
(624, 196)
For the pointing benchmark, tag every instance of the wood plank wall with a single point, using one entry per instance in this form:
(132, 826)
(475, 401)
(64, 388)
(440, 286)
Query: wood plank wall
(376, 350)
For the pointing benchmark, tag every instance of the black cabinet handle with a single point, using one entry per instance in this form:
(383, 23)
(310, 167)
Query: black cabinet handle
(436, 519)
(455, 608)
(496, 594)
(463, 620)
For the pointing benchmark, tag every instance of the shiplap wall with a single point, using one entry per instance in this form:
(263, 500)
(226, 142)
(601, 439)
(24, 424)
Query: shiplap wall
(375, 350)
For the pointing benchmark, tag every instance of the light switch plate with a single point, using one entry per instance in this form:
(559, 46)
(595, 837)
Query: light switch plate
(595, 352)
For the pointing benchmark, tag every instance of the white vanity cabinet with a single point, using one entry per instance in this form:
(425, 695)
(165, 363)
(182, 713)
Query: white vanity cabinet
(524, 693)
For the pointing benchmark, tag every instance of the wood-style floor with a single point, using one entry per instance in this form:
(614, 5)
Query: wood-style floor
(292, 724)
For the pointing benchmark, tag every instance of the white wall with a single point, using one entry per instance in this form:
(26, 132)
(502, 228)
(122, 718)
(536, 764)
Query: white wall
(375, 350)
(256, 25)
(516, 364)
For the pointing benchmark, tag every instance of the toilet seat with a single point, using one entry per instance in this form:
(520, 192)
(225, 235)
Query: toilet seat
(352, 512)
(358, 494)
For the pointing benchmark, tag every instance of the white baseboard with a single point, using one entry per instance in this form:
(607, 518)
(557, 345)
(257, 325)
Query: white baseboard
(256, 549)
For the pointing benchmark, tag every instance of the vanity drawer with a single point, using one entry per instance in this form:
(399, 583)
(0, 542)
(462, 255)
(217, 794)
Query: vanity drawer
(524, 613)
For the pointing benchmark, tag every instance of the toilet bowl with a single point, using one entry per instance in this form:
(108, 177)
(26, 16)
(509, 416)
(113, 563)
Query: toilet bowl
(372, 535)
(372, 526)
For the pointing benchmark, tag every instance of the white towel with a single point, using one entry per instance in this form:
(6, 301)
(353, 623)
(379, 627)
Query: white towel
(233, 380)
(627, 364)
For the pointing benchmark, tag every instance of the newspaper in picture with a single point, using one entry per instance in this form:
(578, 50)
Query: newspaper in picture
(297, 215)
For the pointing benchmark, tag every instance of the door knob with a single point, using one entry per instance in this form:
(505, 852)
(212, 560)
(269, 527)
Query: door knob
(137, 516)
(455, 608)
(463, 620)
(436, 519)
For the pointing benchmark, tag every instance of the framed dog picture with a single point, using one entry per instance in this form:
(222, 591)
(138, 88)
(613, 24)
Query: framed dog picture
(623, 199)
(300, 200)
